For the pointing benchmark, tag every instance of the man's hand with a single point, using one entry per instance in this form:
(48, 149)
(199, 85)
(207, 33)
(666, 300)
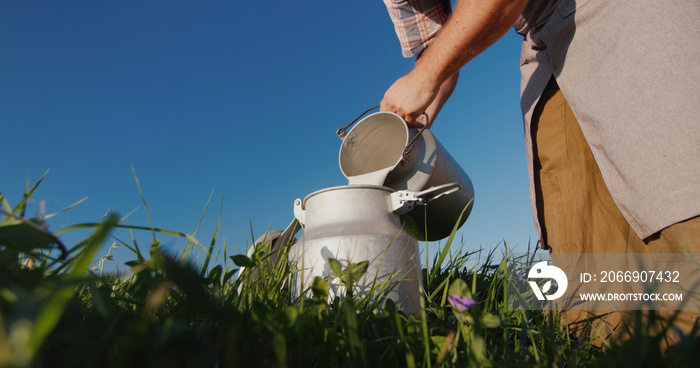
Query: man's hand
(401, 92)
(410, 96)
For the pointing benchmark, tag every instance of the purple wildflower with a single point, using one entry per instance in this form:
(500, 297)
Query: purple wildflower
(461, 303)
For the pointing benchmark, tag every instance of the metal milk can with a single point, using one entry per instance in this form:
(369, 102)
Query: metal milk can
(357, 223)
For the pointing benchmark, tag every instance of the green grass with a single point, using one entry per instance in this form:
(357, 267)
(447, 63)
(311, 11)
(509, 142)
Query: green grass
(63, 311)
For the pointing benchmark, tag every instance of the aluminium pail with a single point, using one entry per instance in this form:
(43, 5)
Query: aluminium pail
(382, 150)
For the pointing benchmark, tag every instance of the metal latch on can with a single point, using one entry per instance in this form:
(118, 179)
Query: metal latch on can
(403, 201)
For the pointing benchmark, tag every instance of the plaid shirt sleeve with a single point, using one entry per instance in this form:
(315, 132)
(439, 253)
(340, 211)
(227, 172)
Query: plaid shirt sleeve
(417, 22)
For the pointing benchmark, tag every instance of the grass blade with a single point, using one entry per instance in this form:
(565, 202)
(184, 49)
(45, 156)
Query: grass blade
(438, 265)
(143, 199)
(51, 312)
(22, 206)
(213, 239)
(187, 251)
(152, 229)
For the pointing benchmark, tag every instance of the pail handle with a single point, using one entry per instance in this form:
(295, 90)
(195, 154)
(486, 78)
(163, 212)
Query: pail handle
(342, 132)
(409, 146)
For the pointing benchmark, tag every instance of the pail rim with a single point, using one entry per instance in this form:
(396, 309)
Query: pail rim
(362, 124)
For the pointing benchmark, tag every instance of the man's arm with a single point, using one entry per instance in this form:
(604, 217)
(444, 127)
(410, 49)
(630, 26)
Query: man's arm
(474, 26)
(446, 89)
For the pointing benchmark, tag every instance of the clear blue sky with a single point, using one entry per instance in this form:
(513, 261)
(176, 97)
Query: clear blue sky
(234, 97)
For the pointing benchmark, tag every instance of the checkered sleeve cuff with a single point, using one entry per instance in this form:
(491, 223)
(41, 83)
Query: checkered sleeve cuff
(417, 22)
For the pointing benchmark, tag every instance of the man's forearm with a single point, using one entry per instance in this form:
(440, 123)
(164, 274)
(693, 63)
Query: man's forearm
(444, 93)
(474, 26)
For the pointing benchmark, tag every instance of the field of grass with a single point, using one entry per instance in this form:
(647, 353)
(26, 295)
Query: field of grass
(57, 309)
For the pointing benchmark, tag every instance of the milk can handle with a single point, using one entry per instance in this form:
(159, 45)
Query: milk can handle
(403, 201)
(436, 192)
(342, 132)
